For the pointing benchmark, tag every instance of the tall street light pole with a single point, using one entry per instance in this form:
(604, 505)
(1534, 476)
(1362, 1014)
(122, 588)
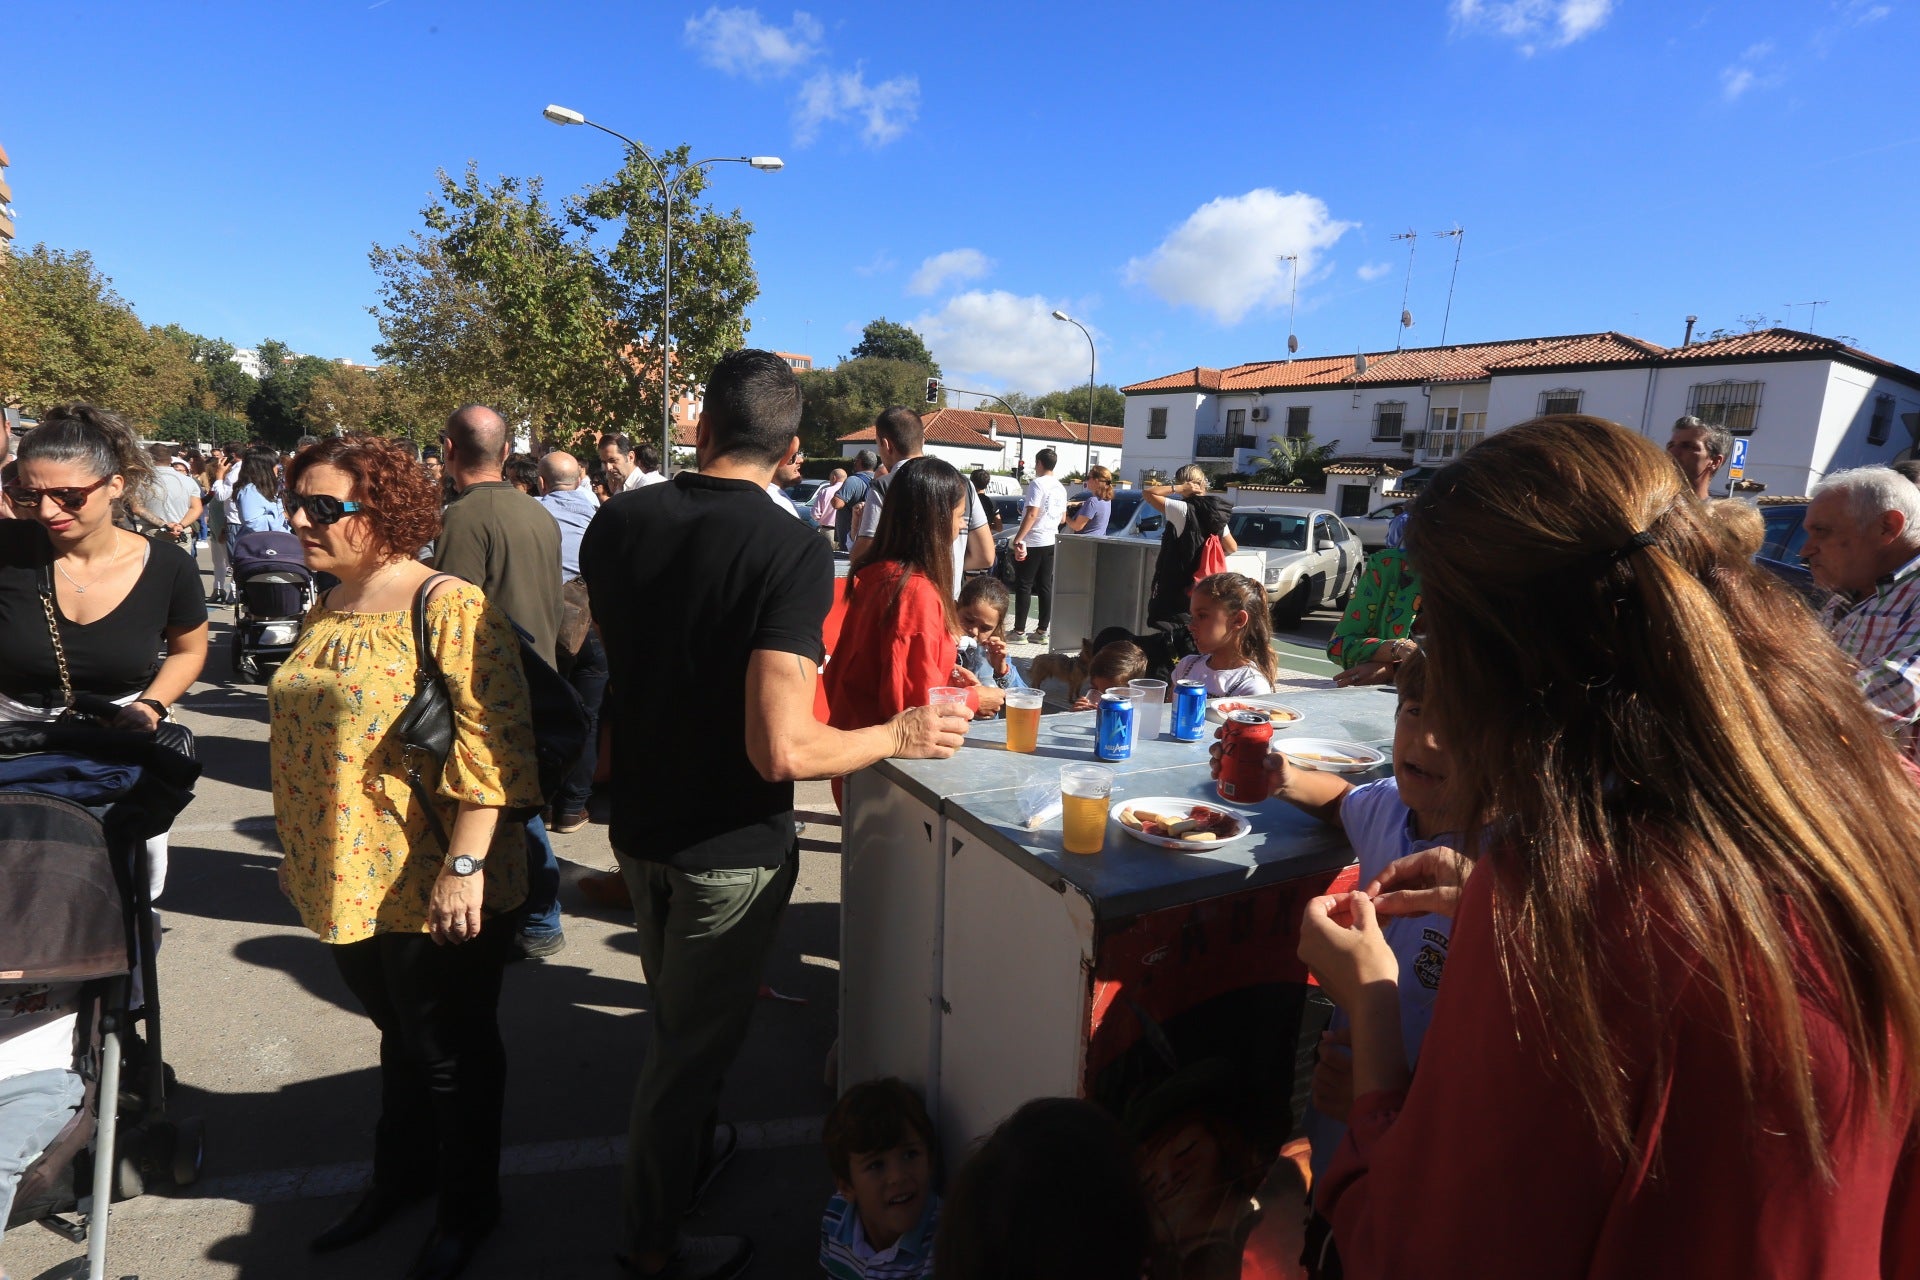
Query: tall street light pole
(1093, 363)
(766, 164)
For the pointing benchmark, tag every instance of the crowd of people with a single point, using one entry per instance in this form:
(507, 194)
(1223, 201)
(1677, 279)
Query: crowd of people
(1653, 819)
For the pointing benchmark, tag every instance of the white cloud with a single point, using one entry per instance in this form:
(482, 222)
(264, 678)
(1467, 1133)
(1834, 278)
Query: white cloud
(999, 340)
(888, 107)
(742, 43)
(1227, 257)
(955, 264)
(1747, 73)
(1552, 23)
(1371, 271)
(880, 262)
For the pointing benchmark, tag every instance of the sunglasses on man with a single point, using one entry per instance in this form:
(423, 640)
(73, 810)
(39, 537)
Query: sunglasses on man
(321, 508)
(67, 499)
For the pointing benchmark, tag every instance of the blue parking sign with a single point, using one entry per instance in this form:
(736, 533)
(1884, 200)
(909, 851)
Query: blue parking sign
(1737, 464)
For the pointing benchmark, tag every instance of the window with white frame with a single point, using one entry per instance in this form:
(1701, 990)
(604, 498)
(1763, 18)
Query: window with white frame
(1297, 420)
(1156, 424)
(1451, 433)
(1882, 425)
(1733, 405)
(1389, 416)
(1560, 400)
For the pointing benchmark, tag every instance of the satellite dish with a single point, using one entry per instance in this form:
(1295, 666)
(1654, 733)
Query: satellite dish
(1359, 363)
(1293, 344)
(1406, 319)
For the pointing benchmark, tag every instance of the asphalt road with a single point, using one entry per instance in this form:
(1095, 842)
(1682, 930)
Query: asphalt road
(273, 1053)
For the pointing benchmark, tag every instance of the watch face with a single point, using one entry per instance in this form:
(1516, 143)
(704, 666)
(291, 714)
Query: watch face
(463, 865)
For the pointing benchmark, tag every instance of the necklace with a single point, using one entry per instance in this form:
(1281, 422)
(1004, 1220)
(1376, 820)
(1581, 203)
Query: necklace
(80, 588)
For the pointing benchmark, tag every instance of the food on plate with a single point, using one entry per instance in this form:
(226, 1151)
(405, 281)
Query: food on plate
(1325, 759)
(1279, 715)
(1202, 823)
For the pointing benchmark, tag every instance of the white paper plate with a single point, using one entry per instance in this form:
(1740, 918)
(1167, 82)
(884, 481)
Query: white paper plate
(1361, 758)
(1220, 708)
(1181, 805)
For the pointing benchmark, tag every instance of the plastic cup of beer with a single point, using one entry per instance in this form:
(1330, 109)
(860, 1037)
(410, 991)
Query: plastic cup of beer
(1023, 719)
(946, 696)
(1149, 705)
(1086, 790)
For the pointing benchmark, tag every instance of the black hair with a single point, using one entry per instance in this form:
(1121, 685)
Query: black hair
(752, 406)
(875, 1115)
(258, 469)
(916, 529)
(902, 429)
(1051, 1195)
(646, 455)
(522, 472)
(618, 439)
(100, 440)
(988, 590)
(1046, 459)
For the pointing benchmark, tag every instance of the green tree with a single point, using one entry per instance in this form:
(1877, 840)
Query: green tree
(1295, 459)
(882, 339)
(191, 424)
(1109, 406)
(278, 408)
(849, 396)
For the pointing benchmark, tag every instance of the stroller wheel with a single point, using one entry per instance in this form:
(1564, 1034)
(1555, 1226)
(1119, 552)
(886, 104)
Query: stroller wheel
(128, 1184)
(189, 1151)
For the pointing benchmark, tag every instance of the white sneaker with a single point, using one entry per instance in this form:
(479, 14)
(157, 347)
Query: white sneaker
(1015, 637)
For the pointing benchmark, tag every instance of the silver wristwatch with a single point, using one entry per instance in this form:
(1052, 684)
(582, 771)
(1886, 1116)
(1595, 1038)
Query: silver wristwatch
(463, 864)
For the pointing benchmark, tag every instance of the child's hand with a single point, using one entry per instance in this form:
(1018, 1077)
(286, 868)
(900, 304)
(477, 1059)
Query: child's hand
(963, 678)
(1342, 946)
(1083, 703)
(991, 700)
(1333, 1075)
(1279, 773)
(1427, 882)
(995, 648)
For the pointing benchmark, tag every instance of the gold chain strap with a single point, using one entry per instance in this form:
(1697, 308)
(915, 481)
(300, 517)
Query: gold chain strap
(59, 650)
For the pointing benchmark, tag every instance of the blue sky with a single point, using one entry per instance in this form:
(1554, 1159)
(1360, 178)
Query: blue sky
(1615, 163)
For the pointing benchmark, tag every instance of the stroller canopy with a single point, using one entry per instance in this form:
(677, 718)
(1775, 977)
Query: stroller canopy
(258, 552)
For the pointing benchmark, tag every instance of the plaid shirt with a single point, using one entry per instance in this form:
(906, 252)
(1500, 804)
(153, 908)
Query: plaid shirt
(1881, 633)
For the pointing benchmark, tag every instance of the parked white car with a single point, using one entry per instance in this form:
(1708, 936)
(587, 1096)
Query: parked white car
(1372, 527)
(1312, 559)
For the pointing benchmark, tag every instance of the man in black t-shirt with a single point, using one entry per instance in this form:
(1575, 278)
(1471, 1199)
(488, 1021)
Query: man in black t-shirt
(710, 601)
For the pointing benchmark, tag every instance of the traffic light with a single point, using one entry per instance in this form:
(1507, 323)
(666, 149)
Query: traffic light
(933, 391)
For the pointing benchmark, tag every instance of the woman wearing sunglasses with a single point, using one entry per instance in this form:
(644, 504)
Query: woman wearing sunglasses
(420, 930)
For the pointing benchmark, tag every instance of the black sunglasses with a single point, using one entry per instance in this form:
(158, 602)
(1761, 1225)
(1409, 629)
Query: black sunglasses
(70, 499)
(321, 508)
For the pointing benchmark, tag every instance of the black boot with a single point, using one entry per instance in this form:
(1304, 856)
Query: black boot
(376, 1206)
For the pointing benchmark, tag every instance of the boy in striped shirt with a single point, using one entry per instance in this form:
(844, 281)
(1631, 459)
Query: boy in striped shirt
(879, 1224)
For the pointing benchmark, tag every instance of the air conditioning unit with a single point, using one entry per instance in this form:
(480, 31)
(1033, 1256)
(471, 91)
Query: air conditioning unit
(1412, 440)
(1259, 413)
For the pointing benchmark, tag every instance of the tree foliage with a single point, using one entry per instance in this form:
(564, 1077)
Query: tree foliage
(1295, 459)
(843, 399)
(553, 316)
(882, 339)
(377, 402)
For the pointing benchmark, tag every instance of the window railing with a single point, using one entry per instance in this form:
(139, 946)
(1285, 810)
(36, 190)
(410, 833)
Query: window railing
(1221, 446)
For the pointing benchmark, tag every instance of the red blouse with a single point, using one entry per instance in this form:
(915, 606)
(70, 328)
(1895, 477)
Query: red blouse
(889, 657)
(1489, 1166)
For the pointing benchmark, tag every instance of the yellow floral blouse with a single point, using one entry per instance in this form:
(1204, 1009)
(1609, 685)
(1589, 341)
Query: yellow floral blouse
(360, 859)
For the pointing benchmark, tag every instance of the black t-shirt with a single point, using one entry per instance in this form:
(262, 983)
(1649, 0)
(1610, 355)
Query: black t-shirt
(687, 579)
(114, 656)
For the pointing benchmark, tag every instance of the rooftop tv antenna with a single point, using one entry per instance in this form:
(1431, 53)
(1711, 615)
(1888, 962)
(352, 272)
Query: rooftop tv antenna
(1293, 343)
(1813, 309)
(1412, 238)
(1459, 235)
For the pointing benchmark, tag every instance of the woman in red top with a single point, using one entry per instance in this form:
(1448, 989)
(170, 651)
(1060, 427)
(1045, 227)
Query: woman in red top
(1676, 1028)
(900, 638)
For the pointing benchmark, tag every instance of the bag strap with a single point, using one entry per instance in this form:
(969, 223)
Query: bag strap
(53, 634)
(425, 672)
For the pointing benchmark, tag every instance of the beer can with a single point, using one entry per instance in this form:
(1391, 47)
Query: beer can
(1189, 710)
(1243, 756)
(1113, 728)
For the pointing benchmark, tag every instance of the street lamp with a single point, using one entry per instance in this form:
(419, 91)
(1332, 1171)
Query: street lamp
(766, 164)
(1093, 361)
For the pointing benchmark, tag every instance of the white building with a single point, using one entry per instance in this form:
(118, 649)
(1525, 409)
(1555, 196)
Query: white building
(1809, 405)
(249, 361)
(968, 438)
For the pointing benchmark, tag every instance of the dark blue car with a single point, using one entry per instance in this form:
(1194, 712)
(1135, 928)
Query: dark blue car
(1780, 553)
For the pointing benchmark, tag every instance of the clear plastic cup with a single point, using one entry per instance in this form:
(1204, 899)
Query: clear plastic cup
(1023, 719)
(1086, 792)
(1148, 708)
(946, 695)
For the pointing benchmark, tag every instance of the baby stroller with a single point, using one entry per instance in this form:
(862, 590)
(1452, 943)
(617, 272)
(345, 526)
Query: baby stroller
(77, 804)
(273, 589)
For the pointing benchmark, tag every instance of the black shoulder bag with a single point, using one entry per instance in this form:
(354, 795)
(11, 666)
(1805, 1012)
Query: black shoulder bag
(426, 726)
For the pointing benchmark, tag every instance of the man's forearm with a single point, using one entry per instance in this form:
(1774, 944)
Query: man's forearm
(819, 751)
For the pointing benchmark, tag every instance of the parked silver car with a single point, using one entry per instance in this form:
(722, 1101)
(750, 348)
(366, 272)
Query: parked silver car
(1372, 527)
(1312, 559)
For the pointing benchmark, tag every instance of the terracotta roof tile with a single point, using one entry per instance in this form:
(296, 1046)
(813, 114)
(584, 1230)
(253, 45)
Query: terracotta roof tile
(967, 429)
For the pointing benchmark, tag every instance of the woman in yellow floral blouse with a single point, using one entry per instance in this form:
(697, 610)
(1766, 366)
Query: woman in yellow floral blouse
(421, 933)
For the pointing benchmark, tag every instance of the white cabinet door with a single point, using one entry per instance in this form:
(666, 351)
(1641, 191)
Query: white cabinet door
(1018, 962)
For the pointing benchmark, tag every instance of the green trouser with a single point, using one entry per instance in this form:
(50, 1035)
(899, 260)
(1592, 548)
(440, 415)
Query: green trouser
(704, 939)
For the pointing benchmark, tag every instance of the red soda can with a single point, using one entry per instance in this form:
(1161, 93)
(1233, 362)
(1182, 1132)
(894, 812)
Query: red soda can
(1243, 756)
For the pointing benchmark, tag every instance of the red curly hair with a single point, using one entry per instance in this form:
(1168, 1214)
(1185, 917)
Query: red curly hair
(401, 505)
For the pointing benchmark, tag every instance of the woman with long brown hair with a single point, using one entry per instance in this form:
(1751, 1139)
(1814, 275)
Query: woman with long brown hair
(1683, 995)
(900, 639)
